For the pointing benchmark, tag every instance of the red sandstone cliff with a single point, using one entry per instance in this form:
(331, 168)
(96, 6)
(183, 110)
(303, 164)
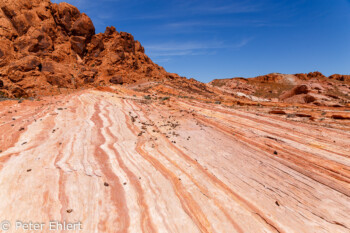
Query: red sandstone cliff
(46, 48)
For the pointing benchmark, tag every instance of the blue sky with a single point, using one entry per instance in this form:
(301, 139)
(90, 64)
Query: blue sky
(208, 39)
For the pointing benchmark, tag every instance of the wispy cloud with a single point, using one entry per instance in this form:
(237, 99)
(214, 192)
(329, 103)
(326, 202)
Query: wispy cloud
(183, 25)
(182, 46)
(192, 48)
(177, 9)
(231, 8)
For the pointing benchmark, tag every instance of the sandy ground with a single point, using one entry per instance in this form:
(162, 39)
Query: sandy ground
(125, 164)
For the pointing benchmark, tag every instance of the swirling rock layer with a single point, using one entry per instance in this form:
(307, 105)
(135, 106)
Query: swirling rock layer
(122, 163)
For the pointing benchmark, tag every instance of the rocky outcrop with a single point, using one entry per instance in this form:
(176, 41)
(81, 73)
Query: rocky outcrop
(310, 88)
(301, 89)
(300, 99)
(310, 75)
(116, 80)
(340, 77)
(45, 47)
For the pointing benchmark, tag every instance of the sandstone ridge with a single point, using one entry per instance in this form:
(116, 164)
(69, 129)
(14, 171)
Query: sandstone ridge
(48, 48)
(311, 88)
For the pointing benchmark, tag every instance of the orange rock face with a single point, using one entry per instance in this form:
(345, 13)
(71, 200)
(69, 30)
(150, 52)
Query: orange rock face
(312, 88)
(46, 48)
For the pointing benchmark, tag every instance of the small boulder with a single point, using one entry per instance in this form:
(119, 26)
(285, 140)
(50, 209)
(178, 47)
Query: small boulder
(298, 90)
(300, 99)
(83, 27)
(116, 80)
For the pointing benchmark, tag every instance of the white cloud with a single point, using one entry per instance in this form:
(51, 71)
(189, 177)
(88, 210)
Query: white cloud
(191, 48)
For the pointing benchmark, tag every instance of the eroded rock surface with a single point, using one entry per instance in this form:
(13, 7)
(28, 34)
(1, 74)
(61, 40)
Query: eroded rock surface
(46, 47)
(123, 163)
(312, 88)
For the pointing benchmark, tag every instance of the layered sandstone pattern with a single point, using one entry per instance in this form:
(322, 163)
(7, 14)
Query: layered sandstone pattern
(125, 163)
(46, 48)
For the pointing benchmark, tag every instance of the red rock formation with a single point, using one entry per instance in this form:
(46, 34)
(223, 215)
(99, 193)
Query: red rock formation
(301, 89)
(310, 75)
(45, 47)
(311, 88)
(340, 77)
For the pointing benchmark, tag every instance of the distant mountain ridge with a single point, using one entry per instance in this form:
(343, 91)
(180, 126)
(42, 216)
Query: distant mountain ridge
(316, 88)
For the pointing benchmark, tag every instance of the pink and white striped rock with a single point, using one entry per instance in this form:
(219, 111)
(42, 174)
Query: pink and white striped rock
(129, 165)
